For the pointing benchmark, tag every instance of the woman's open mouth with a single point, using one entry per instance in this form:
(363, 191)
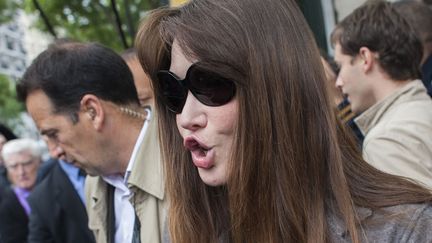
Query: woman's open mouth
(202, 156)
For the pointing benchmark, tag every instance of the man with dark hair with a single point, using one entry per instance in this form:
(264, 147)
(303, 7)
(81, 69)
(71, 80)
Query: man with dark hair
(419, 15)
(379, 55)
(82, 98)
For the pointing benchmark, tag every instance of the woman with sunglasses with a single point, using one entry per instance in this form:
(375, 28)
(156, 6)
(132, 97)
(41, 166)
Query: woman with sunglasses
(252, 148)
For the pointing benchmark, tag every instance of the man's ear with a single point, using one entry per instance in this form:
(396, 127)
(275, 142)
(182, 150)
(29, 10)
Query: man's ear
(92, 109)
(367, 57)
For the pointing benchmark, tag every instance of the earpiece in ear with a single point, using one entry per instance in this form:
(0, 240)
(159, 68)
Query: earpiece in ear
(91, 112)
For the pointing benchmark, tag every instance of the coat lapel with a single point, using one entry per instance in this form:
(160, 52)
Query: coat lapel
(97, 206)
(69, 202)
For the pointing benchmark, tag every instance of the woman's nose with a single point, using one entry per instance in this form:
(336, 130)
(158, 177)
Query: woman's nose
(193, 115)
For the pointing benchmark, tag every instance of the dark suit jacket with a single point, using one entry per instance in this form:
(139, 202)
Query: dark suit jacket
(4, 181)
(44, 169)
(427, 74)
(58, 214)
(13, 218)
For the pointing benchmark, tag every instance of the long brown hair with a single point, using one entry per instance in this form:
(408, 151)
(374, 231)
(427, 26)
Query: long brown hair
(292, 162)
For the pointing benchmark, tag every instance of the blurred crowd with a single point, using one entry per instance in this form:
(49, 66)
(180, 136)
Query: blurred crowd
(226, 123)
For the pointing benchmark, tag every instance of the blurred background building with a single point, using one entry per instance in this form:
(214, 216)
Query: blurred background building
(13, 56)
(19, 45)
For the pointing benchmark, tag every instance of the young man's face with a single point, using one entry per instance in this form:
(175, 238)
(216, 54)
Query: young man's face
(352, 81)
(76, 143)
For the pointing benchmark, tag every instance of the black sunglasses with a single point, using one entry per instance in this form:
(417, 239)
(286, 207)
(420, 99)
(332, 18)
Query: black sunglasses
(209, 88)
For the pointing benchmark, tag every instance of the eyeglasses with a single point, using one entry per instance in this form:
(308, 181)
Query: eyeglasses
(209, 88)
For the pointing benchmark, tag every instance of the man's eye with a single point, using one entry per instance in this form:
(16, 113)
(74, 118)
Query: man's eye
(52, 135)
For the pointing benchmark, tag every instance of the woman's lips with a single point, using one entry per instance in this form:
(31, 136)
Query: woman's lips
(202, 155)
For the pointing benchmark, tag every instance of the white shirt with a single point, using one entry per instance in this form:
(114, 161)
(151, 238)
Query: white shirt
(124, 210)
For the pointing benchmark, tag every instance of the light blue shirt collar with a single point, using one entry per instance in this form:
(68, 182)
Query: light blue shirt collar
(74, 177)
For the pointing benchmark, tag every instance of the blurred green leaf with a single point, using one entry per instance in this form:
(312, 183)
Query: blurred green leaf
(10, 107)
(8, 9)
(92, 20)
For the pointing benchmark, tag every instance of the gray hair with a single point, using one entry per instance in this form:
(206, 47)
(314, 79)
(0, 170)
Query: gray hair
(20, 145)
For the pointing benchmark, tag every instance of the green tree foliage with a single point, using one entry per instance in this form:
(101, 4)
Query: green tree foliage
(92, 20)
(10, 108)
(7, 9)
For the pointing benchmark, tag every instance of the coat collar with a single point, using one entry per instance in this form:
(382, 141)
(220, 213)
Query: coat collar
(147, 175)
(147, 172)
(97, 203)
(414, 90)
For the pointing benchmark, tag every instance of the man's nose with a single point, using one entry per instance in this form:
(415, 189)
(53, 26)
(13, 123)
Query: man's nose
(339, 82)
(58, 152)
(21, 169)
